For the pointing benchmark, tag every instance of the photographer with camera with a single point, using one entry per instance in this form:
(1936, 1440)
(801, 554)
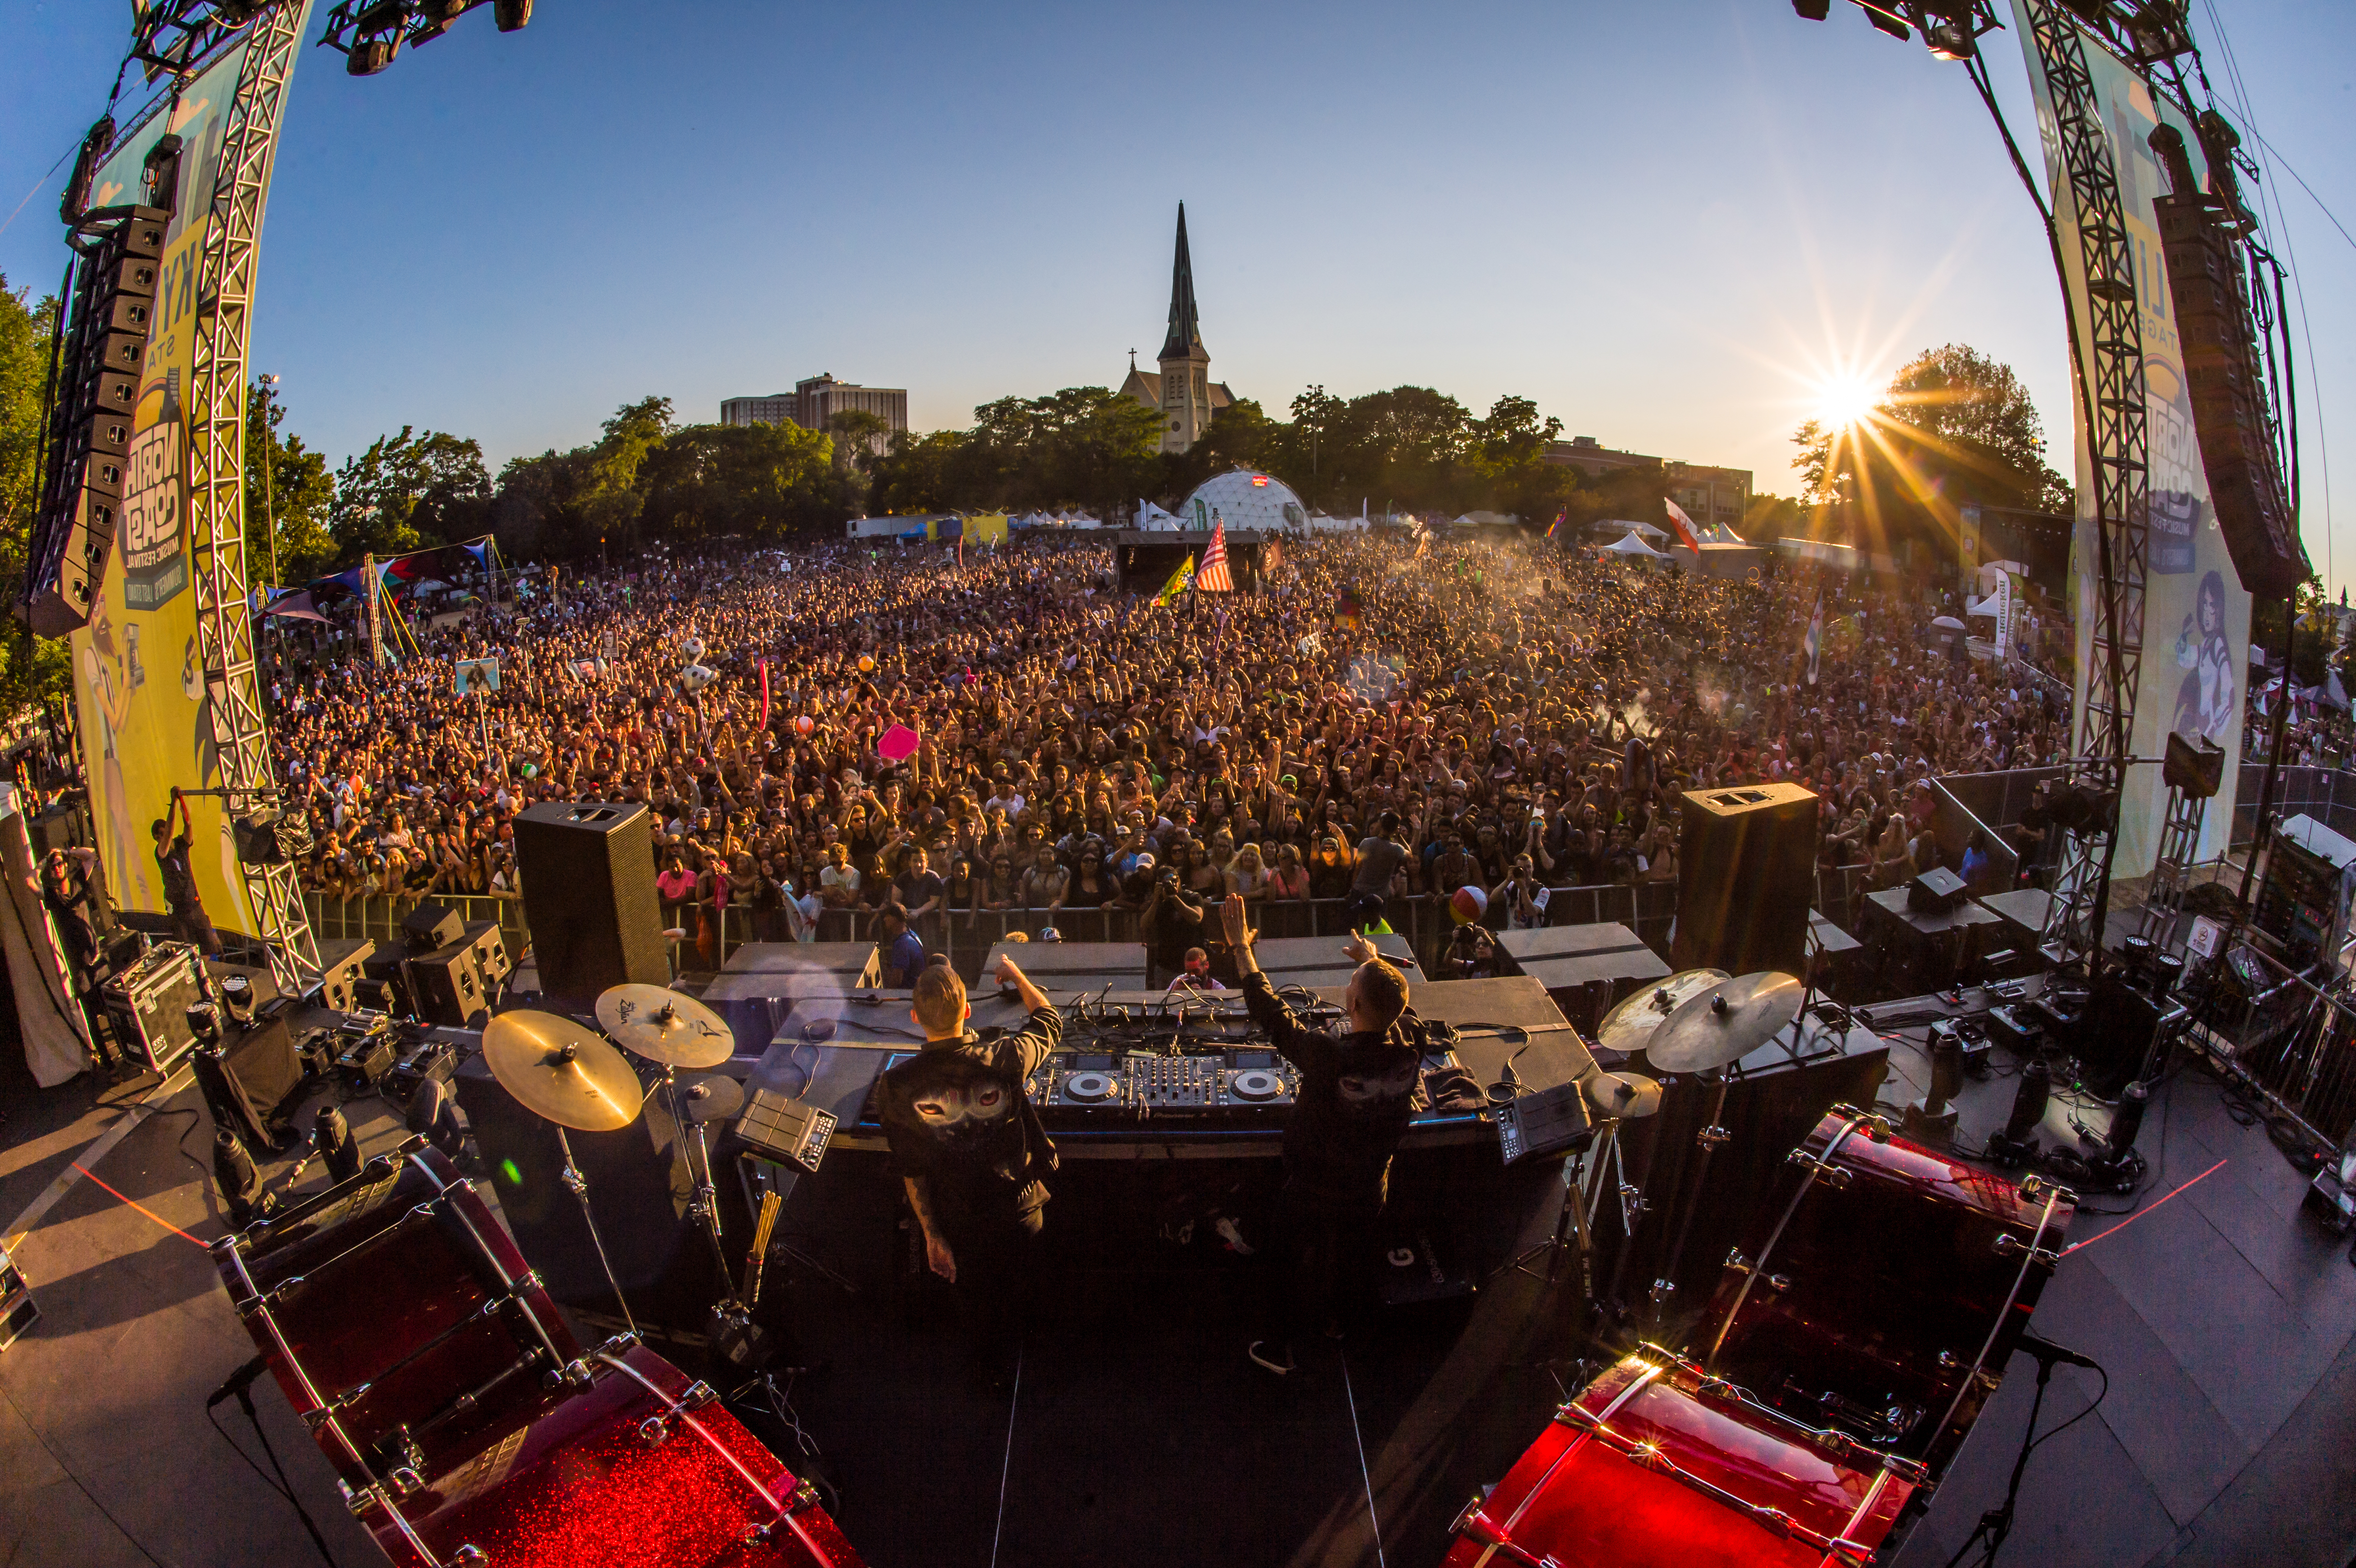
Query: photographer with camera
(1172, 921)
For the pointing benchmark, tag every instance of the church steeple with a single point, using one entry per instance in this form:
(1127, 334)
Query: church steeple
(1185, 339)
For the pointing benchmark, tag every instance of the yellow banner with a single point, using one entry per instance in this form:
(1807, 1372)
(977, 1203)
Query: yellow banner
(139, 685)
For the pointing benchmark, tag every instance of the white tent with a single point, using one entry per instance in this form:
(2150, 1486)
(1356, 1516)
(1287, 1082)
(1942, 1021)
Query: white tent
(1632, 546)
(1626, 524)
(1153, 517)
(1248, 501)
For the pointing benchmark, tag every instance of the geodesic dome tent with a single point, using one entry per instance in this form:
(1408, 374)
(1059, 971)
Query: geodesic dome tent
(1245, 498)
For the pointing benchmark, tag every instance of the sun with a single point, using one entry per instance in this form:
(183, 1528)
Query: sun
(1845, 401)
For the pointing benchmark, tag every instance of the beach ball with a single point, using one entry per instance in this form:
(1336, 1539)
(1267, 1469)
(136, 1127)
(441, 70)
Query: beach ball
(1467, 904)
(866, 663)
(804, 725)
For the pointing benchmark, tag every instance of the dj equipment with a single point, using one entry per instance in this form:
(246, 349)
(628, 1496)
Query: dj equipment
(785, 1130)
(589, 897)
(431, 925)
(2223, 369)
(92, 469)
(1654, 1465)
(1934, 891)
(1746, 875)
(17, 1311)
(1139, 1085)
(147, 1005)
(1530, 1126)
(2303, 893)
(464, 1419)
(1903, 1354)
(415, 1063)
(365, 1050)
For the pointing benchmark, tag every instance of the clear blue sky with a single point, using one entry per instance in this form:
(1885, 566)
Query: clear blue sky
(1662, 221)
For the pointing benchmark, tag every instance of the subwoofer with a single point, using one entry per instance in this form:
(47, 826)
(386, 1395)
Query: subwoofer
(1746, 876)
(589, 897)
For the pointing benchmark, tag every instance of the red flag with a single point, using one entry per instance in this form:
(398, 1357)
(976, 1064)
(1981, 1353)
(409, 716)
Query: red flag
(1212, 575)
(765, 694)
(1684, 525)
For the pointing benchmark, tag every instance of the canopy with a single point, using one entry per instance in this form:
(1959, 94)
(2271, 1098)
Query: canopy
(1630, 545)
(1648, 529)
(1153, 517)
(1950, 623)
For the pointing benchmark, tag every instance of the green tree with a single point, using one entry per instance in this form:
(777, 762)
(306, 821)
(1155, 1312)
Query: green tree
(31, 668)
(1954, 429)
(760, 482)
(407, 492)
(860, 438)
(289, 495)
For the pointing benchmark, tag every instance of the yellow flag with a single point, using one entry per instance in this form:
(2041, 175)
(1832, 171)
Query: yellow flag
(1180, 581)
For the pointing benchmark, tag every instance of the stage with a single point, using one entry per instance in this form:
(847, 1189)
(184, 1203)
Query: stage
(1138, 1432)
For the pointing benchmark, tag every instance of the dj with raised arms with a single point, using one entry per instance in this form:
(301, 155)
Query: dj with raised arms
(968, 1144)
(1349, 1112)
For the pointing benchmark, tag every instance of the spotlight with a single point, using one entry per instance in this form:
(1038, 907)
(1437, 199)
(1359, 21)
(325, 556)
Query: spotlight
(1813, 10)
(511, 14)
(370, 56)
(1950, 40)
(2017, 1145)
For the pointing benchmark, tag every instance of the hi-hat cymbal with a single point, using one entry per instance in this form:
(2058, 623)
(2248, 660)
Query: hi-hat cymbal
(1627, 1027)
(1627, 1095)
(561, 1073)
(708, 1097)
(1724, 1023)
(664, 1025)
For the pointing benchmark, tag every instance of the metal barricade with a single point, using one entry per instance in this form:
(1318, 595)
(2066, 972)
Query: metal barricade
(2286, 1041)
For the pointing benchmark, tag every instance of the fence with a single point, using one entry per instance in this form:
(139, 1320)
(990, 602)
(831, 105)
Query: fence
(2278, 1036)
(378, 919)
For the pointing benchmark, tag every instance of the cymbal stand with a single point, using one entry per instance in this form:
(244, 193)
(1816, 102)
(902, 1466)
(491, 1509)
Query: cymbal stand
(1709, 1140)
(704, 1208)
(1569, 1220)
(578, 1185)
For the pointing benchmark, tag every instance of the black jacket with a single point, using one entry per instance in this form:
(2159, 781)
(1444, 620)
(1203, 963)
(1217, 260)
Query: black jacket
(1356, 1095)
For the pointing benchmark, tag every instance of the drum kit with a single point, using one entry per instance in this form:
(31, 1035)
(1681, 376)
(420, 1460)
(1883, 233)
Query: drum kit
(574, 1078)
(1851, 1343)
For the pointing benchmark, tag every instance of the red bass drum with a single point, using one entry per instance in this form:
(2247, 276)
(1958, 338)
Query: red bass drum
(1653, 1467)
(1890, 1290)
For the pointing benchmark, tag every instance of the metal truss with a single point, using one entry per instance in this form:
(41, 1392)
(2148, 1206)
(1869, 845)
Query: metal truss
(171, 37)
(225, 267)
(2107, 348)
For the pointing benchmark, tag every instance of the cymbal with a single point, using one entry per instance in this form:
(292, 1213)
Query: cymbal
(561, 1073)
(1627, 1027)
(710, 1097)
(665, 1026)
(1627, 1095)
(1724, 1023)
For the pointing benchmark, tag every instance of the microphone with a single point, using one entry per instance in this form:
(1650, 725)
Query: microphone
(2046, 1353)
(239, 1382)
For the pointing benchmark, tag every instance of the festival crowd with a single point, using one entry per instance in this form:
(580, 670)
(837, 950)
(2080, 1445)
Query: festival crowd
(1386, 716)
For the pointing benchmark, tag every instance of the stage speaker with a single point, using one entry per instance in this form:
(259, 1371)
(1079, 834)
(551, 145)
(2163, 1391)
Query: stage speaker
(431, 926)
(448, 986)
(1746, 876)
(2208, 279)
(589, 897)
(640, 1186)
(2112, 1034)
(1934, 891)
(343, 964)
(489, 947)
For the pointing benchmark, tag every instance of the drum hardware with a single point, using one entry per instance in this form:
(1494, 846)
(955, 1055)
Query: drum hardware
(1818, 1169)
(1725, 1023)
(1736, 1262)
(1629, 1025)
(2007, 1245)
(1887, 1424)
(1707, 1140)
(1475, 1525)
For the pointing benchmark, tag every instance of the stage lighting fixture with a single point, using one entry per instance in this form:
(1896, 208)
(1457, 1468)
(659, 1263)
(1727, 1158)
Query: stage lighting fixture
(1887, 21)
(370, 56)
(511, 14)
(2017, 1145)
(1813, 10)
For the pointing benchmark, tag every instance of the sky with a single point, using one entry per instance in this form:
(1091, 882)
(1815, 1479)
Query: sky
(1670, 224)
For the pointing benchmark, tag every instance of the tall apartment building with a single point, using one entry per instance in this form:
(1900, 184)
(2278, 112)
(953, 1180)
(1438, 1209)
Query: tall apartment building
(812, 404)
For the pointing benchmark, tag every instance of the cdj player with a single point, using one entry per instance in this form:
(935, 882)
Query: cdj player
(1138, 1084)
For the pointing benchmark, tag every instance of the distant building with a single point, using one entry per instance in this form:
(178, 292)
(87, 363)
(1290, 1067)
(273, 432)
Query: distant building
(812, 404)
(1708, 495)
(1183, 393)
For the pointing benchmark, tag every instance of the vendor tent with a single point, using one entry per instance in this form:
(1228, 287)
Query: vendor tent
(1630, 545)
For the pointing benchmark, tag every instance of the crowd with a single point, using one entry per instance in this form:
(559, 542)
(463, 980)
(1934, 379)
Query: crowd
(1520, 717)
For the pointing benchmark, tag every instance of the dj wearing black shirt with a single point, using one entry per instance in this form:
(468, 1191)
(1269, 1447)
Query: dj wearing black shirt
(970, 1148)
(1355, 1095)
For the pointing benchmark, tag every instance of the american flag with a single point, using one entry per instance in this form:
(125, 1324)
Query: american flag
(1212, 575)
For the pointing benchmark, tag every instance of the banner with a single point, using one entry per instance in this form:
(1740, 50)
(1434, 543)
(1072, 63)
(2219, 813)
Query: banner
(2196, 614)
(139, 687)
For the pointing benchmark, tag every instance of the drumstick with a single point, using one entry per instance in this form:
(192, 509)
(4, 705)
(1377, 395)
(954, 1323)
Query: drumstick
(770, 1203)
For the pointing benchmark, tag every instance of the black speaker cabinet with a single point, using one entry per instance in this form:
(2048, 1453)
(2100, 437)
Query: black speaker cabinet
(489, 945)
(1746, 876)
(589, 897)
(430, 926)
(1934, 891)
(253, 1084)
(447, 985)
(343, 964)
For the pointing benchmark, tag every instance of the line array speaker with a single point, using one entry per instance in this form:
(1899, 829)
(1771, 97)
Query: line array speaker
(1746, 876)
(91, 468)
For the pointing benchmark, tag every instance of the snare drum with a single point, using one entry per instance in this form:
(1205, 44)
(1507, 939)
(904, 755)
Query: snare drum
(1655, 1467)
(1890, 1290)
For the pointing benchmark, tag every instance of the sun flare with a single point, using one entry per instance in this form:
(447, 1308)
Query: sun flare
(1845, 401)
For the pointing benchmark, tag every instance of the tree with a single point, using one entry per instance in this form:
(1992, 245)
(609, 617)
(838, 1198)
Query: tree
(860, 438)
(407, 492)
(289, 497)
(1955, 429)
(761, 482)
(31, 668)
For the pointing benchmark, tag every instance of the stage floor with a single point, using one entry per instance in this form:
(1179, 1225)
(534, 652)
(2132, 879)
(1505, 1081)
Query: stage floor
(1137, 1431)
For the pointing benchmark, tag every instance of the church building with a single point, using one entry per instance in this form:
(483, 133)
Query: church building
(1183, 392)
